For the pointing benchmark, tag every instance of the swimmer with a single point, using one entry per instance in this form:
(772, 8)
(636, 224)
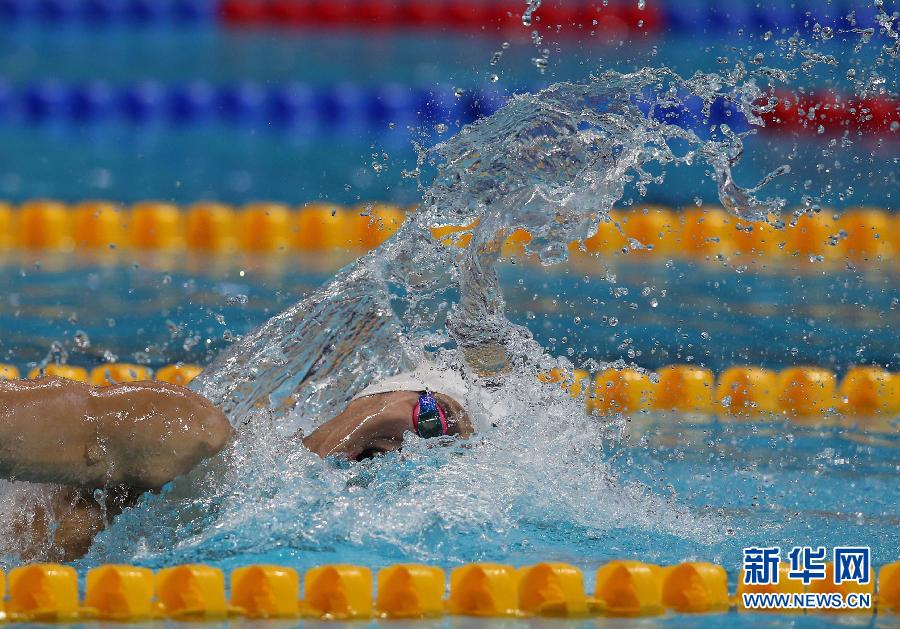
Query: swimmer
(127, 439)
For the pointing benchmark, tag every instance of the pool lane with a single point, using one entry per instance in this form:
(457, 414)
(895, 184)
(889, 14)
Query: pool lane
(651, 314)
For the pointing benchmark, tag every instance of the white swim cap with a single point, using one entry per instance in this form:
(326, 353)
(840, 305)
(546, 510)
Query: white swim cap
(426, 377)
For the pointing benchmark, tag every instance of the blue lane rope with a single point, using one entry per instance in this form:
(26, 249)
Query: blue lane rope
(290, 104)
(108, 12)
(693, 16)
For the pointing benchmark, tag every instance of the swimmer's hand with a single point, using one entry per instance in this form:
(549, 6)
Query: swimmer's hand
(141, 434)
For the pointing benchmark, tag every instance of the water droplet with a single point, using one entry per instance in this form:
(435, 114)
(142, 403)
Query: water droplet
(82, 340)
(527, 16)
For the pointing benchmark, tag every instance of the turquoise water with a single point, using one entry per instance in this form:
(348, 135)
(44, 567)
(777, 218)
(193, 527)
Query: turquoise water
(235, 164)
(711, 316)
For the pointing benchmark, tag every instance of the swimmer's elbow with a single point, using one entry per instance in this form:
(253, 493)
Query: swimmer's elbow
(209, 435)
(204, 426)
(215, 433)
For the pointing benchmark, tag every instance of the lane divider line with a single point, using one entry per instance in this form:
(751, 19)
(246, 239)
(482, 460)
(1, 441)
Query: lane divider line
(742, 391)
(394, 108)
(620, 18)
(197, 592)
(864, 236)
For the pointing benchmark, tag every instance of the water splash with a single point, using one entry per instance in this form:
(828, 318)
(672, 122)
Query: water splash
(552, 163)
(519, 490)
(528, 14)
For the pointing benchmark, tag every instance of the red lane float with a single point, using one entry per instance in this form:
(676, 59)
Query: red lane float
(826, 113)
(575, 18)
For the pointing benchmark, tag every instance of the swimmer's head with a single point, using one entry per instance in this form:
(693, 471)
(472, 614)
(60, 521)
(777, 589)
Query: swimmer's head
(376, 424)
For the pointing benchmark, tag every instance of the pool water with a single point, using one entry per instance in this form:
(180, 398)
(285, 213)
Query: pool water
(157, 310)
(732, 482)
(659, 487)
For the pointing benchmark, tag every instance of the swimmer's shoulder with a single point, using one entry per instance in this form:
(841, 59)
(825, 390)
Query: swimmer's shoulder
(47, 383)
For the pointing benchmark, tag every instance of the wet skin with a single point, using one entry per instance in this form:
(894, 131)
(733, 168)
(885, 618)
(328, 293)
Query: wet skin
(136, 437)
(141, 435)
(375, 424)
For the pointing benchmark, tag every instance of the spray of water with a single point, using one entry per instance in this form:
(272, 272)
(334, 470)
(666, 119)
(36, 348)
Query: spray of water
(552, 163)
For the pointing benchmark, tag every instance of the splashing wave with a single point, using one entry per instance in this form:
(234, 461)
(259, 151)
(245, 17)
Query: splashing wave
(552, 163)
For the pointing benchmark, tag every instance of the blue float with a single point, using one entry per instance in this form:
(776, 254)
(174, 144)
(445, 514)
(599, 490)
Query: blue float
(143, 102)
(291, 104)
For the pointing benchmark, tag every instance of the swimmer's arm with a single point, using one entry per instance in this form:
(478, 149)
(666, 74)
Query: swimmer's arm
(141, 435)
